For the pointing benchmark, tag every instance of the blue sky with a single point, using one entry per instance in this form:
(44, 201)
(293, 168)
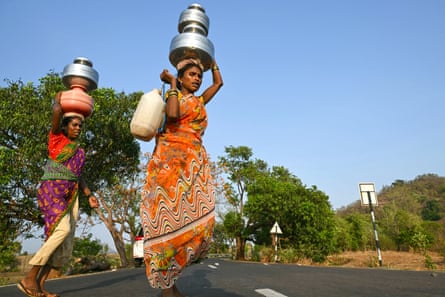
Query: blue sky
(339, 92)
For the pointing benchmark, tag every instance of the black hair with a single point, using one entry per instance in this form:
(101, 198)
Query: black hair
(65, 122)
(183, 70)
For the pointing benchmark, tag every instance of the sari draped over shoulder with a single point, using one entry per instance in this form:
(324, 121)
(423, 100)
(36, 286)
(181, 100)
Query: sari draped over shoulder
(59, 187)
(178, 203)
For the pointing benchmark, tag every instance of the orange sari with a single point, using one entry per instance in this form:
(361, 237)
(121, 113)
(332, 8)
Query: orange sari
(178, 203)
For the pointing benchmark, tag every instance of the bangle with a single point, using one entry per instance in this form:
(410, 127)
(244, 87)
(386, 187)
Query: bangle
(215, 68)
(170, 93)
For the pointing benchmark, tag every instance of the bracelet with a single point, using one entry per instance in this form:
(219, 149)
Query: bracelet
(215, 68)
(170, 93)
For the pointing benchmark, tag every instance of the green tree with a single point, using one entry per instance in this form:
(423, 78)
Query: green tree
(342, 237)
(304, 214)
(241, 170)
(260, 196)
(220, 239)
(88, 255)
(359, 230)
(119, 212)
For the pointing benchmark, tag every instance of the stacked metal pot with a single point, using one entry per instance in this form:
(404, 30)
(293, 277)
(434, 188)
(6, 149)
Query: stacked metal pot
(80, 78)
(192, 41)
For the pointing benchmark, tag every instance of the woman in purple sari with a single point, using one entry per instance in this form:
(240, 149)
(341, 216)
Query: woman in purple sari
(58, 200)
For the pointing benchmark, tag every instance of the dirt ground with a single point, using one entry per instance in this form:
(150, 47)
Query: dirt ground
(390, 260)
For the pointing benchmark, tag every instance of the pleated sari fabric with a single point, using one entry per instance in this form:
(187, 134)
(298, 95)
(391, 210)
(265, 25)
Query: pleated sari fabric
(59, 187)
(178, 203)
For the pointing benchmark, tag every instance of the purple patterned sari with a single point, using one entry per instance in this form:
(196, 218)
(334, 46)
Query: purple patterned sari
(58, 190)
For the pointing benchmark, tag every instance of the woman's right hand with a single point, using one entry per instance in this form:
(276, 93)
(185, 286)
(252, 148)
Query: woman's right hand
(167, 77)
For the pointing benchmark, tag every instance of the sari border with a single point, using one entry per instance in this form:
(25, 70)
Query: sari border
(165, 237)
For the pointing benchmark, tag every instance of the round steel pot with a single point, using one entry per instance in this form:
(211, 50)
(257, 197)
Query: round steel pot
(194, 28)
(81, 67)
(195, 14)
(191, 45)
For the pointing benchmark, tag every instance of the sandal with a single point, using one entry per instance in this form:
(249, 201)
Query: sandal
(30, 292)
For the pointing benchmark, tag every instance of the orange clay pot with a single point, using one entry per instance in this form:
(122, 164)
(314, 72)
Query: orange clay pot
(77, 100)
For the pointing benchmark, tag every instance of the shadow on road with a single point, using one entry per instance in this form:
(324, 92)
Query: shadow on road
(198, 285)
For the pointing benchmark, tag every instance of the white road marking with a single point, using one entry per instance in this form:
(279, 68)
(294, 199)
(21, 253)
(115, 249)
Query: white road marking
(269, 293)
(211, 266)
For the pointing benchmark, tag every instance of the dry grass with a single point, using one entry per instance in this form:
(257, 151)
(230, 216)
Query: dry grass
(390, 260)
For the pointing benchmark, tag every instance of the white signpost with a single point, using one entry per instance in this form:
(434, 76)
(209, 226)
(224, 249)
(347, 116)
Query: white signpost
(369, 197)
(275, 231)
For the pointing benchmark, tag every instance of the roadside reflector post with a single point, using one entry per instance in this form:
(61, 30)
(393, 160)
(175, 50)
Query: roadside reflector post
(369, 197)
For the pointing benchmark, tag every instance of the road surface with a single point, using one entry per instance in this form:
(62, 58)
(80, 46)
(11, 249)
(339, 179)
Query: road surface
(225, 278)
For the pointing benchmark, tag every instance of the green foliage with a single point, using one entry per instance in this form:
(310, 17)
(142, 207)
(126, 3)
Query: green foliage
(262, 253)
(304, 214)
(289, 255)
(409, 217)
(88, 255)
(241, 171)
(8, 252)
(429, 263)
(220, 240)
(112, 152)
(24, 114)
(275, 195)
(359, 228)
(85, 247)
(8, 246)
(431, 211)
(233, 224)
(342, 236)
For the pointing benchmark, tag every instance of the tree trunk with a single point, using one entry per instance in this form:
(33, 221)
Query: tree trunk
(120, 247)
(240, 246)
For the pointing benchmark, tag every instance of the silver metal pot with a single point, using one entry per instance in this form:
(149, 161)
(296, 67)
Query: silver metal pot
(191, 45)
(194, 14)
(194, 28)
(192, 41)
(81, 67)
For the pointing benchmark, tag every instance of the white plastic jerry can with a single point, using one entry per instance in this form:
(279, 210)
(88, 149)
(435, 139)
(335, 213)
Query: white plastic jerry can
(148, 116)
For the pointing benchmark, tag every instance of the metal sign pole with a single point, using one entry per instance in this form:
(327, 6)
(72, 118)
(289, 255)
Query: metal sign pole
(275, 231)
(276, 247)
(375, 229)
(369, 197)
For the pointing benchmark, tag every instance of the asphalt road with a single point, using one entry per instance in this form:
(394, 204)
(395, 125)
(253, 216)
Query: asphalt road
(224, 278)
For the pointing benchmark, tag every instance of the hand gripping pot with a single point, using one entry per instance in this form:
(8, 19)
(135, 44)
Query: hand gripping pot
(148, 116)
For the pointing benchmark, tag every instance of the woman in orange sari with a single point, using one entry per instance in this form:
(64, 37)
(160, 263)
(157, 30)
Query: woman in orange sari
(178, 202)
